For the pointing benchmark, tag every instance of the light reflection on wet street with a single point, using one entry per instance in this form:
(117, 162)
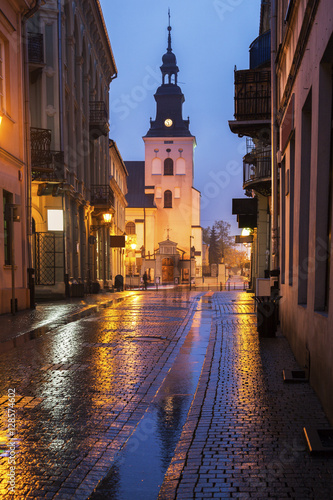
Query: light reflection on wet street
(135, 402)
(139, 470)
(82, 389)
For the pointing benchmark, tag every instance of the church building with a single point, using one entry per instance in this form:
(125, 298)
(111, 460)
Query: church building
(164, 236)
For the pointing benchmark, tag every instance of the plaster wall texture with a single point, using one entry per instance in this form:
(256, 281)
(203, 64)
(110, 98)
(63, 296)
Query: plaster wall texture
(308, 325)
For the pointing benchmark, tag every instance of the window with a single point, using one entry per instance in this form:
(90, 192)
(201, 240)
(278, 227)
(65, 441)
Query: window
(156, 166)
(7, 199)
(167, 199)
(304, 209)
(324, 188)
(180, 166)
(130, 228)
(283, 188)
(291, 209)
(168, 166)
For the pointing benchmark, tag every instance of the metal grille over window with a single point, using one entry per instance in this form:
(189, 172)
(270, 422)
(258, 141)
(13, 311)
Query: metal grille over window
(48, 257)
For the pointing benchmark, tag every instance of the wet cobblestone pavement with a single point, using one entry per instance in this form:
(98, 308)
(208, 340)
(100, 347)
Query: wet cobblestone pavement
(243, 437)
(84, 388)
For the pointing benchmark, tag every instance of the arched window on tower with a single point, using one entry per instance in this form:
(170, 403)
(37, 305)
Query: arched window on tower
(168, 166)
(130, 228)
(167, 199)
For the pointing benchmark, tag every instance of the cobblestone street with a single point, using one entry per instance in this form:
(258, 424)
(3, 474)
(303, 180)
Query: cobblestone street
(227, 426)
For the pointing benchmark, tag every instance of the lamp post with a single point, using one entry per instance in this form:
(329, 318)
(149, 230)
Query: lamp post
(133, 247)
(190, 261)
(107, 218)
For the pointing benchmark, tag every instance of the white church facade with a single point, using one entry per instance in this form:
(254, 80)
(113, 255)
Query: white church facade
(164, 236)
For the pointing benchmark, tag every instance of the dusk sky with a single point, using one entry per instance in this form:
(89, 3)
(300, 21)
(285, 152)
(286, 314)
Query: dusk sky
(209, 37)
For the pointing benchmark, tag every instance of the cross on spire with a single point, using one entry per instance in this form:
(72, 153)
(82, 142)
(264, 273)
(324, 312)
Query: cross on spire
(169, 35)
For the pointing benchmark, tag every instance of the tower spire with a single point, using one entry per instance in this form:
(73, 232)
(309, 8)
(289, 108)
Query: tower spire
(169, 35)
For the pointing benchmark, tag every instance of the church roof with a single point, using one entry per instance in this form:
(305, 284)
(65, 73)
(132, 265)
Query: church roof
(168, 242)
(136, 197)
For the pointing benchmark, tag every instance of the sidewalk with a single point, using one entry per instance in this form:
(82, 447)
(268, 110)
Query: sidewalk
(243, 437)
(24, 326)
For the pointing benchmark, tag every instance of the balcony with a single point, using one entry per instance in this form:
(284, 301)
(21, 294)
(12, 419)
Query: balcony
(260, 51)
(35, 49)
(101, 197)
(98, 119)
(252, 104)
(257, 169)
(246, 210)
(46, 165)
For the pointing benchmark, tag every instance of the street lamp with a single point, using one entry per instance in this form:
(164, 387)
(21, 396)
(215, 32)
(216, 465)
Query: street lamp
(107, 217)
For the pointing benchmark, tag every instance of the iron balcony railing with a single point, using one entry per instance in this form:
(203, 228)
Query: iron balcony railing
(98, 119)
(35, 48)
(46, 164)
(101, 196)
(260, 51)
(256, 166)
(252, 95)
(40, 139)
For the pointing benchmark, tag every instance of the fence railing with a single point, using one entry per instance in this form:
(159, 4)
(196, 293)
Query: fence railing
(260, 50)
(102, 195)
(35, 48)
(252, 95)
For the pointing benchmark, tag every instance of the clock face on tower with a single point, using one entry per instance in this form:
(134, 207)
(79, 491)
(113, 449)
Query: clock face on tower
(168, 122)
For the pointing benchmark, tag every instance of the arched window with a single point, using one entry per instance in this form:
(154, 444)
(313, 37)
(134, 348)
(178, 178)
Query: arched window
(168, 166)
(156, 166)
(167, 199)
(130, 228)
(180, 166)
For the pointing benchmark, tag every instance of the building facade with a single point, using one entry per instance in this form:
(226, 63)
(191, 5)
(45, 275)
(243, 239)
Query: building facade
(303, 79)
(14, 158)
(253, 120)
(71, 66)
(119, 175)
(166, 214)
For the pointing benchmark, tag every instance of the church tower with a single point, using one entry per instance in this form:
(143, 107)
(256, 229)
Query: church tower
(169, 148)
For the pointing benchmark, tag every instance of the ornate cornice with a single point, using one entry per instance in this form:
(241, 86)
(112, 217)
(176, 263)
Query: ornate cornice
(98, 37)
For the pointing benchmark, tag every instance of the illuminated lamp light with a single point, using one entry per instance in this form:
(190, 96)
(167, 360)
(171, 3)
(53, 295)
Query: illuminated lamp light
(107, 217)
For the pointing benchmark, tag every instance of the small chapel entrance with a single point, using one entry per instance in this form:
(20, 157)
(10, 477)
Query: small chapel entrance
(167, 269)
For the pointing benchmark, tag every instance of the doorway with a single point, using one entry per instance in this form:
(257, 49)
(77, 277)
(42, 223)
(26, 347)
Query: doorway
(167, 269)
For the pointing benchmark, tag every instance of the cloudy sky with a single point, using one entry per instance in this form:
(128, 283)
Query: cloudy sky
(209, 38)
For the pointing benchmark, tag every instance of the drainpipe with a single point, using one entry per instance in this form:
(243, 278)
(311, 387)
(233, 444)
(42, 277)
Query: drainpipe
(31, 279)
(274, 136)
(60, 78)
(61, 144)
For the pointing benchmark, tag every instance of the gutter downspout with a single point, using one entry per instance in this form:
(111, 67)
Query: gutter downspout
(31, 270)
(61, 129)
(61, 144)
(274, 136)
